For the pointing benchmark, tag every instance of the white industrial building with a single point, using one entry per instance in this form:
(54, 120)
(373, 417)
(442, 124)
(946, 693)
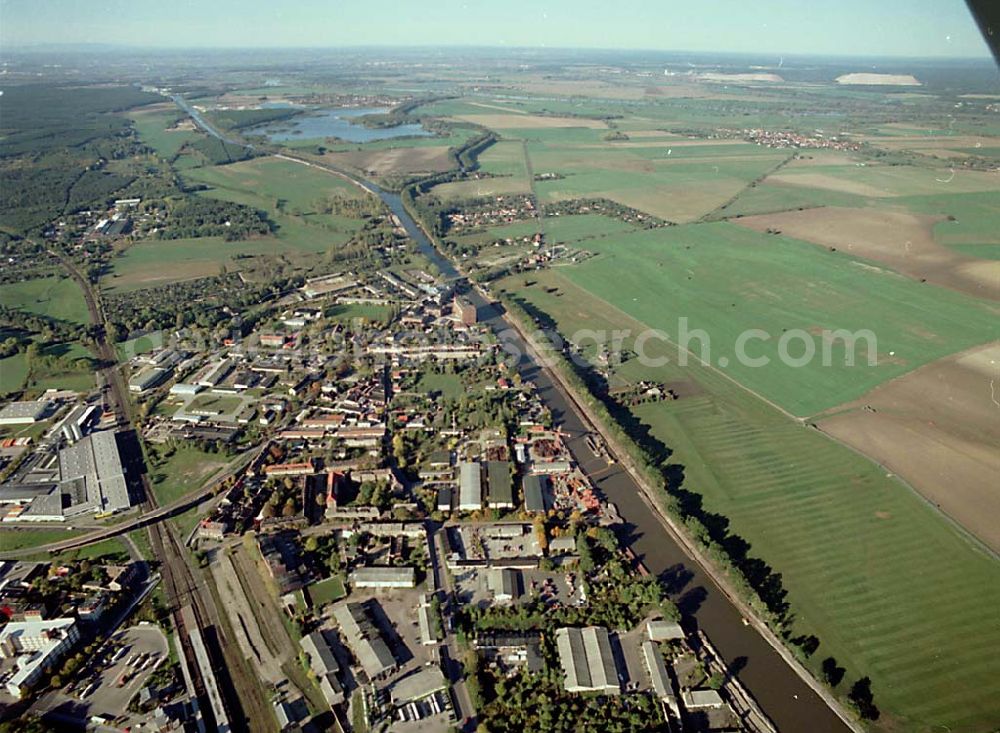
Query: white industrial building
(661, 630)
(24, 413)
(587, 660)
(470, 487)
(147, 379)
(383, 577)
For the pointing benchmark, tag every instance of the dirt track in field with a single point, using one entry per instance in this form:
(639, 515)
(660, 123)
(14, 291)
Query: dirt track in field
(939, 429)
(905, 242)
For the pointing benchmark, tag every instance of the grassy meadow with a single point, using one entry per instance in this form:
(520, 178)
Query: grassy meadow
(55, 297)
(726, 281)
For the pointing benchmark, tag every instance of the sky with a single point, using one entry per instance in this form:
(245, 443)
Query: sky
(938, 28)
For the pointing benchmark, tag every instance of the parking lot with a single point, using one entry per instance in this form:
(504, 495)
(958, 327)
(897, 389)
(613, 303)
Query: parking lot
(115, 674)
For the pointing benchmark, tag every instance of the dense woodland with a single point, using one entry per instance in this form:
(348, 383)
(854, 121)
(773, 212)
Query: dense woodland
(194, 216)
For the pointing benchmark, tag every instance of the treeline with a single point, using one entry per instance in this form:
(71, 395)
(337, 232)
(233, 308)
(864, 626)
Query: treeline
(195, 216)
(239, 119)
(606, 207)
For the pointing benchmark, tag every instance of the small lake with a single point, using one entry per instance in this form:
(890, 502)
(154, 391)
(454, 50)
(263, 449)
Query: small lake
(334, 123)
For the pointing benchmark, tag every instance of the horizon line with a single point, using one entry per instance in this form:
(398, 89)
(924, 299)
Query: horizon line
(84, 47)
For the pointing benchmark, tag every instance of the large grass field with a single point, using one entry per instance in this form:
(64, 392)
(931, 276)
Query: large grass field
(767, 198)
(151, 125)
(677, 182)
(891, 590)
(974, 226)
(726, 281)
(160, 261)
(55, 297)
(13, 372)
(264, 181)
(890, 181)
(183, 472)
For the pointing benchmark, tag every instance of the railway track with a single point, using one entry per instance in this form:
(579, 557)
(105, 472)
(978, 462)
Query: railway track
(186, 602)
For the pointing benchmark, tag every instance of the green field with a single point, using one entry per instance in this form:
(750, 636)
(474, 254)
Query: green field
(767, 198)
(326, 591)
(722, 278)
(183, 472)
(975, 228)
(449, 385)
(13, 372)
(504, 158)
(215, 403)
(160, 261)
(891, 181)
(26, 539)
(74, 371)
(482, 187)
(889, 588)
(265, 181)
(293, 196)
(152, 129)
(55, 297)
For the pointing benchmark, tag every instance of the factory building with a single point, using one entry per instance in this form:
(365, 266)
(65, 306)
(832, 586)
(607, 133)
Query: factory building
(148, 378)
(25, 413)
(587, 660)
(499, 485)
(92, 478)
(470, 487)
(364, 639)
(537, 493)
(383, 577)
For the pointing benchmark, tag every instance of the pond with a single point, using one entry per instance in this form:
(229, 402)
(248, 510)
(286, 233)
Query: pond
(337, 123)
